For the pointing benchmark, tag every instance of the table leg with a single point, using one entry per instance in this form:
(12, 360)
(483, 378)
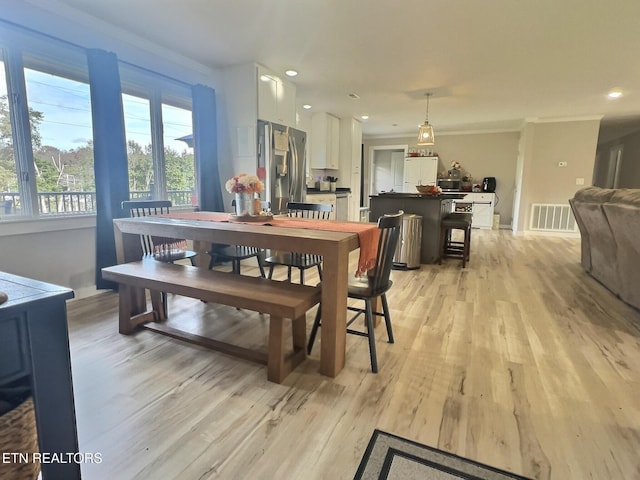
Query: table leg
(334, 311)
(202, 259)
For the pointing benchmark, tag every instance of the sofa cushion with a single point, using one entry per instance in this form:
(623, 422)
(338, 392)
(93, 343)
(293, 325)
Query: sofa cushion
(594, 194)
(627, 196)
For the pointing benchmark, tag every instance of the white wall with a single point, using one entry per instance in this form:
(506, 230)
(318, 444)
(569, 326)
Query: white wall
(548, 143)
(59, 251)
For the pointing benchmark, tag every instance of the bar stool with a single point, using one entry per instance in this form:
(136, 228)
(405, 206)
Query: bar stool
(455, 249)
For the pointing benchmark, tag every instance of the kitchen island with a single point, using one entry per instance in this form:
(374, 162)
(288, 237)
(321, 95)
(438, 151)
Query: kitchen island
(430, 207)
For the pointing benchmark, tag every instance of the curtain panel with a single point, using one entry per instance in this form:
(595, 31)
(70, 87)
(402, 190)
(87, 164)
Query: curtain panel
(110, 155)
(205, 142)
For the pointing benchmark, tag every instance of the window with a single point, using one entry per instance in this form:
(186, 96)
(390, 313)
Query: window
(9, 195)
(158, 127)
(137, 123)
(46, 134)
(61, 140)
(46, 142)
(179, 161)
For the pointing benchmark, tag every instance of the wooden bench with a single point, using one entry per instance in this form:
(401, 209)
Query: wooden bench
(281, 300)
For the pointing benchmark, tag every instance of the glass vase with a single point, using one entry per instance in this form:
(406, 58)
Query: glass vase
(244, 204)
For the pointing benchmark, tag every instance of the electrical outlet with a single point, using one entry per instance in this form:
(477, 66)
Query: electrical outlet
(562, 164)
(579, 181)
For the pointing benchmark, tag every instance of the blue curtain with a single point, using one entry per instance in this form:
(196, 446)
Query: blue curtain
(205, 142)
(110, 155)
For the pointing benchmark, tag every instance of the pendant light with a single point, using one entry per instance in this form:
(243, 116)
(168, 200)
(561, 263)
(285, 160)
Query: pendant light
(425, 134)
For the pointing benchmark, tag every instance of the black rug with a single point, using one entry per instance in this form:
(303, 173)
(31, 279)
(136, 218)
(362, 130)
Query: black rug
(394, 458)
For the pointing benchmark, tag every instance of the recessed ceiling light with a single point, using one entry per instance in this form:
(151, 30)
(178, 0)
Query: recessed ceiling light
(265, 78)
(306, 107)
(291, 73)
(364, 117)
(614, 93)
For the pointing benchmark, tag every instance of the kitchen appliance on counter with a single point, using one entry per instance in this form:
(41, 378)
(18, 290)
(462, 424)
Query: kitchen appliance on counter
(281, 164)
(489, 184)
(450, 184)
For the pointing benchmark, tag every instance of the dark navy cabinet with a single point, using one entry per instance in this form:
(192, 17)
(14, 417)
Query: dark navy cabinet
(34, 344)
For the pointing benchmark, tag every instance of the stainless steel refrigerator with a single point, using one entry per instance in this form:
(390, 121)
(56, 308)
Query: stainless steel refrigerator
(281, 164)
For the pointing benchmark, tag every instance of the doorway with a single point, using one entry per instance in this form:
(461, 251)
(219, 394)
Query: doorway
(386, 168)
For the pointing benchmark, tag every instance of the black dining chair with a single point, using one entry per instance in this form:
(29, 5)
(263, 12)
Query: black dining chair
(163, 249)
(236, 253)
(376, 283)
(301, 261)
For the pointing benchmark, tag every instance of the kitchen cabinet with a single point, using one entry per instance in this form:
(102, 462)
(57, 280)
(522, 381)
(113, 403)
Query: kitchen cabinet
(350, 161)
(276, 98)
(325, 141)
(324, 198)
(481, 207)
(419, 171)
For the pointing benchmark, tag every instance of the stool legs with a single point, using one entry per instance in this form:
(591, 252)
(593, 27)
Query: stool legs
(449, 247)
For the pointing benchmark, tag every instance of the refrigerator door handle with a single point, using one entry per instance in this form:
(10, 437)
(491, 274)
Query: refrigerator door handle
(267, 161)
(293, 168)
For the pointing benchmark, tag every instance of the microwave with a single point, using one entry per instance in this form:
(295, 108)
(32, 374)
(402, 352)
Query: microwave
(450, 184)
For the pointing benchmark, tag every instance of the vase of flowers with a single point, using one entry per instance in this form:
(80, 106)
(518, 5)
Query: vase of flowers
(245, 187)
(455, 170)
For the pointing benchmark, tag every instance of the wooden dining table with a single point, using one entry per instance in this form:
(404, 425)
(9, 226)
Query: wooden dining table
(333, 246)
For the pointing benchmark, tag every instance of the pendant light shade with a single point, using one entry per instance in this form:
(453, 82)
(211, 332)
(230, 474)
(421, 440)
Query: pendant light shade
(425, 134)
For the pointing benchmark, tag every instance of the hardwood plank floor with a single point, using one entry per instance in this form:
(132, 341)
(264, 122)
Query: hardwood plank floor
(521, 361)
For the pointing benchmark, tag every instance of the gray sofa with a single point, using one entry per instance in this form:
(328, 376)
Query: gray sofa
(609, 223)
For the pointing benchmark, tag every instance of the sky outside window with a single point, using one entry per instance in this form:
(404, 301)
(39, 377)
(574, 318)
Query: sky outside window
(65, 106)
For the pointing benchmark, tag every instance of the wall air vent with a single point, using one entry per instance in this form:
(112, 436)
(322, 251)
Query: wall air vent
(547, 217)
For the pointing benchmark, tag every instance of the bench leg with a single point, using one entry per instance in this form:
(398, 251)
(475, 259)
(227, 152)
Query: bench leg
(124, 309)
(132, 305)
(279, 364)
(159, 304)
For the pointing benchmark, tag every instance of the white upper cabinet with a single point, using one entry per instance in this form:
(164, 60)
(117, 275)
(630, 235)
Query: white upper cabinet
(276, 98)
(325, 141)
(419, 171)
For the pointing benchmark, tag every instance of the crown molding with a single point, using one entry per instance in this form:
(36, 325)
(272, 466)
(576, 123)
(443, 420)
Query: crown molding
(578, 118)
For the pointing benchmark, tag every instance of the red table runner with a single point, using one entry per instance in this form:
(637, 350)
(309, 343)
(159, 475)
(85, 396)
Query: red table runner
(368, 234)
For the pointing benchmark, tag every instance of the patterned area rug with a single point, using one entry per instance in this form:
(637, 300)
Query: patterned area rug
(394, 458)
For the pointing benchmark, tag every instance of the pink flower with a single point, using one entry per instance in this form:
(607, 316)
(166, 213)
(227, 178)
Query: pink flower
(243, 183)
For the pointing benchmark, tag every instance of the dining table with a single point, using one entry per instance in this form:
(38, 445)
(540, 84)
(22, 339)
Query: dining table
(334, 242)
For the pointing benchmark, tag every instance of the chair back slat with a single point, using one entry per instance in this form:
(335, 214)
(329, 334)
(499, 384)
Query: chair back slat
(389, 226)
(319, 211)
(149, 208)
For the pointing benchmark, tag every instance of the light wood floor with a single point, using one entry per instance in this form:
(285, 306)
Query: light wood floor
(521, 361)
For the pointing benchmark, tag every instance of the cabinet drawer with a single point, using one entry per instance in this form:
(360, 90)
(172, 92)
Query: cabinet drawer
(479, 197)
(14, 356)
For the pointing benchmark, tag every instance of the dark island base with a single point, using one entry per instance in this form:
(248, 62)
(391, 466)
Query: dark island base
(430, 208)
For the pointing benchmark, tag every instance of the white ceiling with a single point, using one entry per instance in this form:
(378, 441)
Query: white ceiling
(490, 64)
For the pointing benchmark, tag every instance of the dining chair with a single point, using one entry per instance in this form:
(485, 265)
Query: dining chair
(301, 261)
(162, 249)
(376, 283)
(236, 253)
